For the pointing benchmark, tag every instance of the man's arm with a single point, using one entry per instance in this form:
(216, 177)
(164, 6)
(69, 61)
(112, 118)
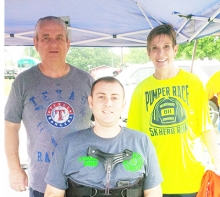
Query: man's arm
(153, 192)
(53, 192)
(17, 177)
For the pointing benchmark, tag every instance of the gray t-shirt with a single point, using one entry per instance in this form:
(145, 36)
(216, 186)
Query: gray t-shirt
(71, 161)
(50, 108)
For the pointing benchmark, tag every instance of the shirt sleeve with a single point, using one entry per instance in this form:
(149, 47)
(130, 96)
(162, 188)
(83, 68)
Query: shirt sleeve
(55, 174)
(14, 105)
(153, 176)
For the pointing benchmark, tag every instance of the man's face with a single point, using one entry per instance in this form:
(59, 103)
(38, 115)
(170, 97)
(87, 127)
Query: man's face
(162, 52)
(107, 103)
(52, 43)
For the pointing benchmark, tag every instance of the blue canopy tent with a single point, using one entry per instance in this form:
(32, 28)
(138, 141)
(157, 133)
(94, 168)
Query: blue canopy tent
(112, 22)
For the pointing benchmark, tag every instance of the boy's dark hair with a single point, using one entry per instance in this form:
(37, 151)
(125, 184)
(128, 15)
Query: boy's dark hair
(107, 79)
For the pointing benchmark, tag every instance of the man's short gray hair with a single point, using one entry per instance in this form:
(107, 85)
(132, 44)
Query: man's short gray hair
(50, 18)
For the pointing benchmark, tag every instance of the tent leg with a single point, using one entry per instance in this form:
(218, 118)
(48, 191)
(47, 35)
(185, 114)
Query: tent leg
(194, 54)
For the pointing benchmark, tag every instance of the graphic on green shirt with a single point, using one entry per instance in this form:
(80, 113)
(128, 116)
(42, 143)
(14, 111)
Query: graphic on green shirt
(89, 161)
(168, 111)
(134, 164)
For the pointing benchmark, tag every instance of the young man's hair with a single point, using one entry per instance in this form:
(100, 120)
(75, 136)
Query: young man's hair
(166, 29)
(50, 18)
(107, 79)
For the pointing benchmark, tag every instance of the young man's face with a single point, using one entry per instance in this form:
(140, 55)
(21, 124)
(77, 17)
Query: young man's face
(162, 52)
(52, 43)
(107, 103)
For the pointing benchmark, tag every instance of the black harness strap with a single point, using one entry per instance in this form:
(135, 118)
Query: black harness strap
(115, 158)
(133, 190)
(110, 160)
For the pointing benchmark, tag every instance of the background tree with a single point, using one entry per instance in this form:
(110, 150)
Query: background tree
(136, 55)
(82, 57)
(31, 52)
(207, 47)
(90, 57)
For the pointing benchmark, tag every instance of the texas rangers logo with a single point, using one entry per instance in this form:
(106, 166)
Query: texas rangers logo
(60, 114)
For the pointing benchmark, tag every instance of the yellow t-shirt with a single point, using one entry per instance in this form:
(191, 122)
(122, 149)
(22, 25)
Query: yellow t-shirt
(173, 113)
(213, 86)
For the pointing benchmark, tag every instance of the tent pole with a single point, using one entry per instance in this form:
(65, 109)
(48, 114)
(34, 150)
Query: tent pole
(194, 54)
(122, 56)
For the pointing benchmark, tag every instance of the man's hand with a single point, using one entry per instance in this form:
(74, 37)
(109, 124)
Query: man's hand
(18, 180)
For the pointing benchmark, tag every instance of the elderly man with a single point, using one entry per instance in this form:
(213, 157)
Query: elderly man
(51, 100)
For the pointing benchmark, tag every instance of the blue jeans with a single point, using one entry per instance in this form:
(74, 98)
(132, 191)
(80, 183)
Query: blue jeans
(34, 193)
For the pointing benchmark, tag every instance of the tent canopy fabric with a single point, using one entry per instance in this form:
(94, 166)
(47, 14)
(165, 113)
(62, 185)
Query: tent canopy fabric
(112, 22)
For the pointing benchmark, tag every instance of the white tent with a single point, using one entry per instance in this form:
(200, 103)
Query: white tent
(112, 22)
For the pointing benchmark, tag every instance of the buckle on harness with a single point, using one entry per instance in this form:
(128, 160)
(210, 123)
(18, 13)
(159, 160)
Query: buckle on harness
(122, 192)
(95, 193)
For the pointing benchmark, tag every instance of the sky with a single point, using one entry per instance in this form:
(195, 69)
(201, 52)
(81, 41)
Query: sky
(118, 50)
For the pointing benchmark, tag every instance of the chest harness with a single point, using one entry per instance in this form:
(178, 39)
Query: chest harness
(123, 188)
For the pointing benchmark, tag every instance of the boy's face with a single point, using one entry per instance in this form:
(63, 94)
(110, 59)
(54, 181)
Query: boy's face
(107, 103)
